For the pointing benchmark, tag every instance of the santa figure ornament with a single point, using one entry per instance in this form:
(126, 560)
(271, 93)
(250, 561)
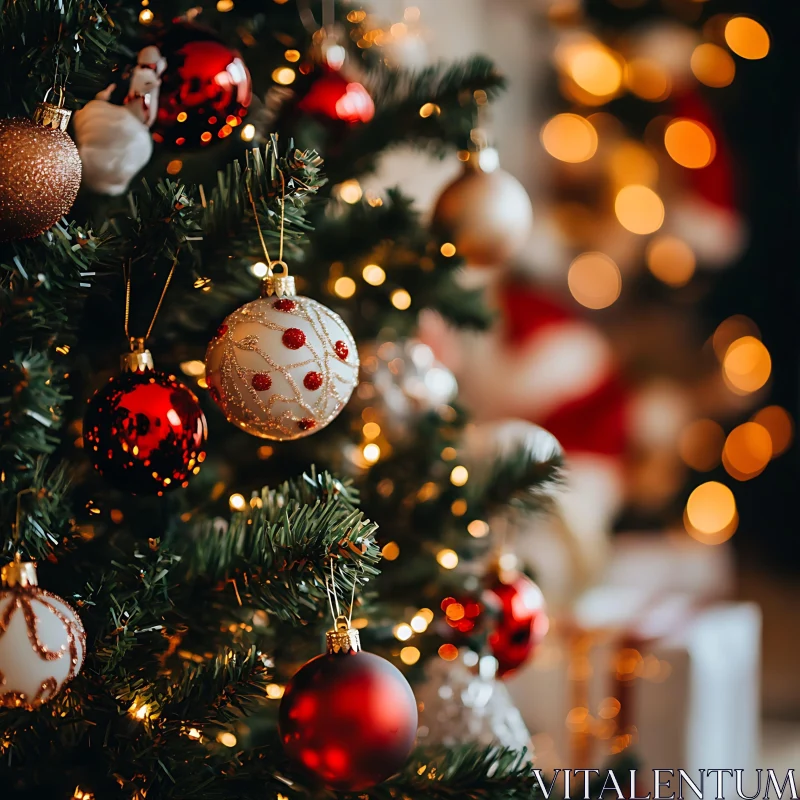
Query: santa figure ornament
(114, 140)
(283, 366)
(42, 641)
(348, 717)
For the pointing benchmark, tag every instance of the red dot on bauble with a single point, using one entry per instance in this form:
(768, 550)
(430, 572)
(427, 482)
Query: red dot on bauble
(222, 330)
(293, 338)
(312, 381)
(284, 304)
(214, 392)
(341, 349)
(307, 424)
(261, 381)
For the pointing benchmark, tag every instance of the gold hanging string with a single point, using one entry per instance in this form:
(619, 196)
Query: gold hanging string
(333, 597)
(283, 213)
(280, 260)
(126, 271)
(258, 225)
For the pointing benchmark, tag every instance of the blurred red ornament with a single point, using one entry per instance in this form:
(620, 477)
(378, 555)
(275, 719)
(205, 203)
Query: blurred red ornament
(336, 98)
(348, 717)
(145, 432)
(522, 623)
(205, 91)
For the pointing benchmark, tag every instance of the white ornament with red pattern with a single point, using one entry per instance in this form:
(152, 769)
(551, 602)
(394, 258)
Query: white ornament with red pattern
(42, 641)
(283, 366)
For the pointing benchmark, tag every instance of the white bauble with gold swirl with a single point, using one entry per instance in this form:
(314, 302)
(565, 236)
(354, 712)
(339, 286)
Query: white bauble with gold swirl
(282, 367)
(42, 641)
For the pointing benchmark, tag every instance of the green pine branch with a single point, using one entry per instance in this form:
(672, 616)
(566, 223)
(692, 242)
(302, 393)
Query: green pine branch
(43, 42)
(278, 552)
(454, 92)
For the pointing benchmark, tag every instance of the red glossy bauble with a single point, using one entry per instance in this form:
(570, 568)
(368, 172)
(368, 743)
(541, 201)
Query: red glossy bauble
(349, 718)
(522, 622)
(334, 97)
(205, 91)
(145, 432)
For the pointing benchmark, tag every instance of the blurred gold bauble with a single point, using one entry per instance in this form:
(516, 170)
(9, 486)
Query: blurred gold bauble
(487, 215)
(40, 172)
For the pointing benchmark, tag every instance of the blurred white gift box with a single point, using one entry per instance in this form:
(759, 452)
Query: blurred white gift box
(655, 659)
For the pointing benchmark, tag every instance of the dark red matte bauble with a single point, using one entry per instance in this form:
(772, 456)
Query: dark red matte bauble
(145, 432)
(522, 622)
(333, 97)
(351, 719)
(205, 90)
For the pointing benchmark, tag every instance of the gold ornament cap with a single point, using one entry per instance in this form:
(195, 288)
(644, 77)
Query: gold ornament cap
(18, 573)
(52, 115)
(343, 639)
(138, 359)
(280, 284)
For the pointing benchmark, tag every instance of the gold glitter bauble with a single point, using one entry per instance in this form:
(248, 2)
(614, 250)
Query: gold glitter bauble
(486, 215)
(40, 173)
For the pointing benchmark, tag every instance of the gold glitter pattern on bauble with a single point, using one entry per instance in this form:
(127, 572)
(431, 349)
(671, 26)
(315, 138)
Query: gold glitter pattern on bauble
(282, 368)
(31, 604)
(40, 173)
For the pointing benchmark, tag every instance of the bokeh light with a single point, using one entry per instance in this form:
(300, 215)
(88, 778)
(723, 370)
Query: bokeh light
(779, 425)
(409, 655)
(647, 79)
(700, 444)
(373, 274)
(731, 329)
(639, 209)
(284, 75)
(671, 260)
(595, 69)
(594, 280)
(350, 191)
(449, 652)
(748, 450)
(390, 551)
(747, 365)
(690, 143)
(631, 162)
(459, 476)
(344, 287)
(747, 38)
(401, 299)
(570, 138)
(447, 558)
(710, 513)
(478, 528)
(402, 632)
(712, 65)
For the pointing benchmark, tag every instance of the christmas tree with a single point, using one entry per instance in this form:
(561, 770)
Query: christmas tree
(187, 594)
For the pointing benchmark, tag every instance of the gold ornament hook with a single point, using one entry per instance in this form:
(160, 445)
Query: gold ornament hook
(52, 115)
(343, 638)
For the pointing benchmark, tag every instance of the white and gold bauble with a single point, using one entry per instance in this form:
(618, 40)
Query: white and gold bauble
(485, 212)
(283, 366)
(42, 641)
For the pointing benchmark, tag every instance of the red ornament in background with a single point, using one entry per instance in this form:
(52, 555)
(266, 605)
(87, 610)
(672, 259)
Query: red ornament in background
(522, 623)
(336, 98)
(144, 431)
(348, 717)
(205, 90)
